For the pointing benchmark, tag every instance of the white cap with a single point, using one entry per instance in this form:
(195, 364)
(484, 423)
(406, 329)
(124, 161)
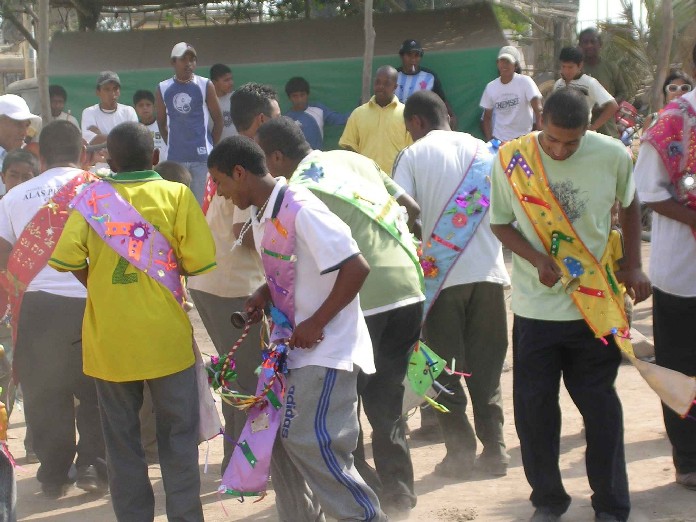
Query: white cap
(509, 53)
(181, 49)
(15, 108)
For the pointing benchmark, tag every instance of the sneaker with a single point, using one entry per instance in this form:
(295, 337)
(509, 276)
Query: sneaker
(31, 457)
(398, 508)
(496, 468)
(427, 434)
(544, 514)
(454, 468)
(88, 480)
(54, 491)
(607, 517)
(688, 480)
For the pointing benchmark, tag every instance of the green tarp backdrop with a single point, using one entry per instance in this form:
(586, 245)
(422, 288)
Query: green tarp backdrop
(336, 83)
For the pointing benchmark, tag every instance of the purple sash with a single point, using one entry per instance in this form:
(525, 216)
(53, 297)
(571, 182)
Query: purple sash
(248, 471)
(130, 235)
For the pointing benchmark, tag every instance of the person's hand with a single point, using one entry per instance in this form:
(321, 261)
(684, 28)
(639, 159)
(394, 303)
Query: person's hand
(548, 269)
(307, 334)
(637, 283)
(256, 304)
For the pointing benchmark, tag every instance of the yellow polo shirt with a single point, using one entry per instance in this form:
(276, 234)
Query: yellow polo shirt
(377, 132)
(133, 327)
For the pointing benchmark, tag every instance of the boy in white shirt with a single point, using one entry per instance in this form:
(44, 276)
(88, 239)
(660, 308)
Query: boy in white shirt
(99, 119)
(572, 76)
(329, 342)
(512, 102)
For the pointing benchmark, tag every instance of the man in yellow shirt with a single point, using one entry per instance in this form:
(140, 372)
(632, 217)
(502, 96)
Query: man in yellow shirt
(376, 129)
(134, 329)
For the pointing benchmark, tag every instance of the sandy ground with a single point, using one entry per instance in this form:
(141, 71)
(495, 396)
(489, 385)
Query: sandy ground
(654, 494)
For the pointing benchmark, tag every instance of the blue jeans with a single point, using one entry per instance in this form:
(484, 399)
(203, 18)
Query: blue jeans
(199, 173)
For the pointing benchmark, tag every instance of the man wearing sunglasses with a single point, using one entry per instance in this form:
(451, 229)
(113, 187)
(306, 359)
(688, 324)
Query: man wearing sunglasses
(666, 181)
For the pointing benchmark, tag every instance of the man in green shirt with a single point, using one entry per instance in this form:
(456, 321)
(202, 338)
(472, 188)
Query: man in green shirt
(606, 73)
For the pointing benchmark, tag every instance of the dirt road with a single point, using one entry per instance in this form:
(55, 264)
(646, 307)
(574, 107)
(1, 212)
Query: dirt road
(654, 494)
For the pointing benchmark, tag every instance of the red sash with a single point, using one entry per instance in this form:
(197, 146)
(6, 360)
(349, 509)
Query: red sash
(35, 245)
(209, 194)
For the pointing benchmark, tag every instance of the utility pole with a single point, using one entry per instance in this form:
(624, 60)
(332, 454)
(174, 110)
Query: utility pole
(369, 52)
(42, 36)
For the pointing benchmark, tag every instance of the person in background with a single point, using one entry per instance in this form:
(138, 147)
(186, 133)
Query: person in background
(144, 103)
(172, 171)
(223, 81)
(605, 72)
(413, 77)
(512, 102)
(676, 85)
(58, 97)
(311, 117)
(186, 104)
(98, 120)
(376, 129)
(665, 179)
(596, 96)
(15, 119)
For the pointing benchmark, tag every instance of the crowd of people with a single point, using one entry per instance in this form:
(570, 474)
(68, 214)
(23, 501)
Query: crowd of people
(205, 192)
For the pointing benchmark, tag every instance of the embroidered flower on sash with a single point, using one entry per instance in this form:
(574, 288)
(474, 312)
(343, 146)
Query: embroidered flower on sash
(459, 220)
(430, 269)
(675, 148)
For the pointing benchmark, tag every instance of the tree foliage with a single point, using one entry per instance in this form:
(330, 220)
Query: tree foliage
(634, 44)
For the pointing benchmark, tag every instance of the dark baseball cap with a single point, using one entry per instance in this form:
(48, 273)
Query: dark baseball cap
(108, 76)
(410, 46)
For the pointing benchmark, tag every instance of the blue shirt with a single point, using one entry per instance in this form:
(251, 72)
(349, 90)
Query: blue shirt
(187, 119)
(312, 121)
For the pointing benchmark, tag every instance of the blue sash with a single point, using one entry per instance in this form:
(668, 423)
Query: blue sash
(456, 225)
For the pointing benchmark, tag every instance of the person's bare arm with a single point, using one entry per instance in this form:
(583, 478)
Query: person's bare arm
(161, 110)
(608, 111)
(510, 237)
(412, 208)
(631, 273)
(487, 124)
(213, 103)
(538, 112)
(676, 211)
(349, 280)
(81, 275)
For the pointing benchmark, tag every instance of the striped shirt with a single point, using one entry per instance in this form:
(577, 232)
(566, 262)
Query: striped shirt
(423, 80)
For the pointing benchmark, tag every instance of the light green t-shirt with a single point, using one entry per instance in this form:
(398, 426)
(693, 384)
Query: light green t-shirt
(393, 278)
(586, 185)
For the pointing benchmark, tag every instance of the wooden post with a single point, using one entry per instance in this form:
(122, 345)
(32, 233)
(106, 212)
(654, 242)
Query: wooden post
(369, 52)
(42, 37)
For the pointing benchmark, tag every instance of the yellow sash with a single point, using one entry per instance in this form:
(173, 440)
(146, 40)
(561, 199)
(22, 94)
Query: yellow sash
(591, 283)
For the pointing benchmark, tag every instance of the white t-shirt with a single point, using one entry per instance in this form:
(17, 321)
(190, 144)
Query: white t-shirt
(105, 121)
(157, 138)
(672, 244)
(228, 128)
(511, 104)
(594, 93)
(239, 272)
(430, 171)
(322, 242)
(19, 206)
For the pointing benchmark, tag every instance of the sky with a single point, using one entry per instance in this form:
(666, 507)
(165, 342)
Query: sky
(591, 10)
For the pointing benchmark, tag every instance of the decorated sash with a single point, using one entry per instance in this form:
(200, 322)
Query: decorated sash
(379, 206)
(36, 243)
(249, 468)
(590, 283)
(209, 194)
(457, 224)
(674, 137)
(130, 235)
(139, 243)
